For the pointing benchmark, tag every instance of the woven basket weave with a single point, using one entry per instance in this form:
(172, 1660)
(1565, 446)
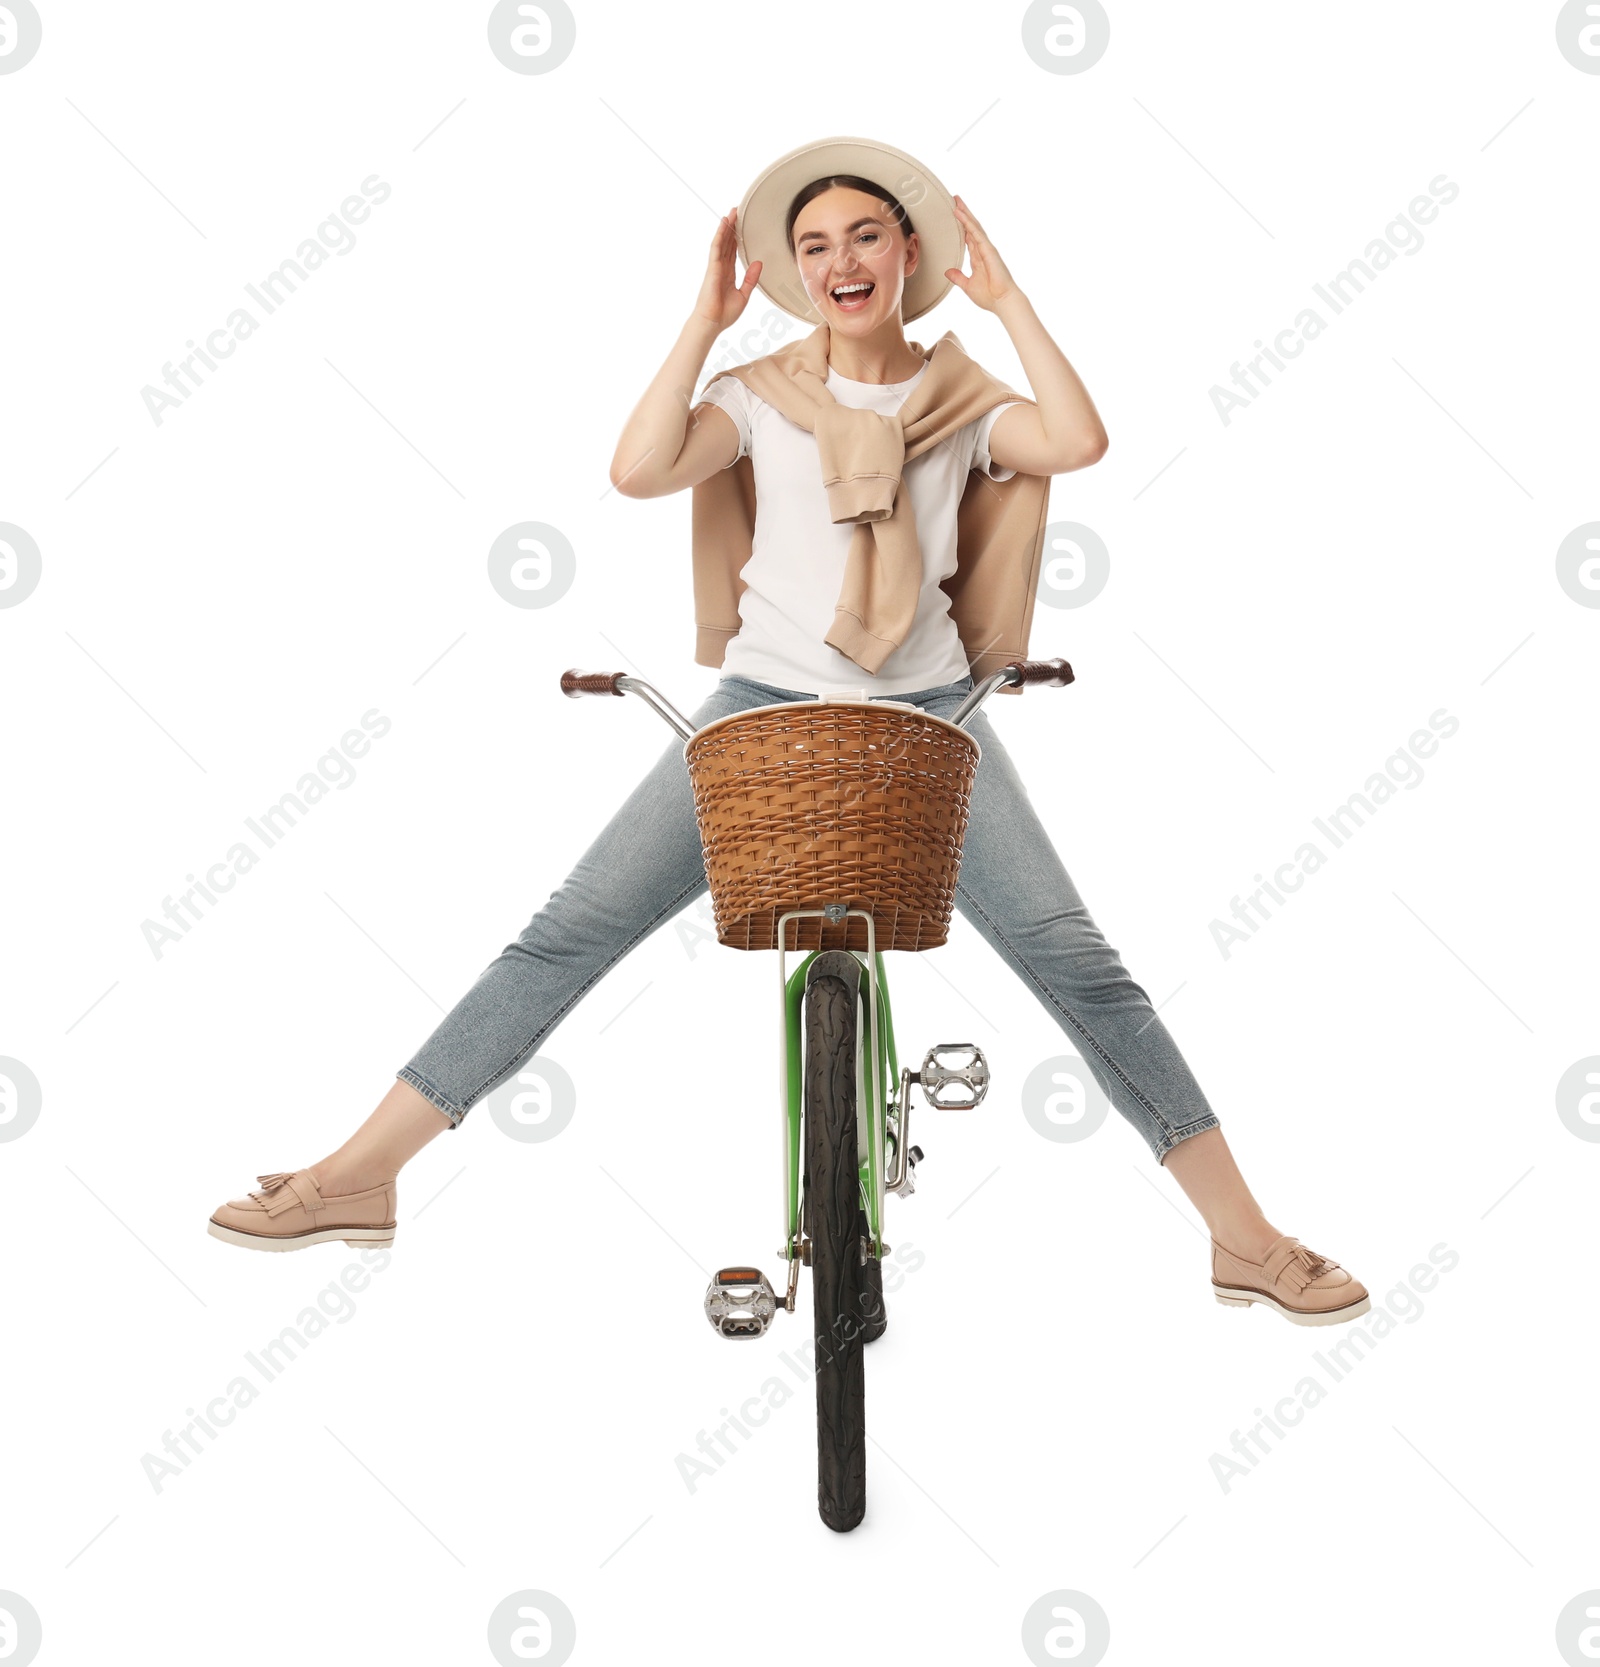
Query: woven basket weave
(808, 803)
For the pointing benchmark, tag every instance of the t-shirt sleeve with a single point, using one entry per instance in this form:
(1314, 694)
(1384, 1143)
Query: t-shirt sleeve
(981, 459)
(729, 394)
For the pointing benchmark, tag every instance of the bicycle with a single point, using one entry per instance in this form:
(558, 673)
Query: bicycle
(849, 814)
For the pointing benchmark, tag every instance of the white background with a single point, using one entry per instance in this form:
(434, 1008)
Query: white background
(1291, 595)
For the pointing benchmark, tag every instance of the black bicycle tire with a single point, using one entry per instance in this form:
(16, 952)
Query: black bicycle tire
(832, 1210)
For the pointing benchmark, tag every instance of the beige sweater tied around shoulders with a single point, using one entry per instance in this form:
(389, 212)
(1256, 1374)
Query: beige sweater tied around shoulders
(999, 524)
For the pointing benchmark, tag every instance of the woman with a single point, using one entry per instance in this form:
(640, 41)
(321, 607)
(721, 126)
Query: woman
(827, 603)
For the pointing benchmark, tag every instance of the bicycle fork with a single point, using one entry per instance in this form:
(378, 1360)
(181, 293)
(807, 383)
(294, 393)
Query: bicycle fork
(740, 1301)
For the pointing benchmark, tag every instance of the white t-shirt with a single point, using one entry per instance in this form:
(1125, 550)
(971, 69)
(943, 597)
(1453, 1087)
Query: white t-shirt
(797, 558)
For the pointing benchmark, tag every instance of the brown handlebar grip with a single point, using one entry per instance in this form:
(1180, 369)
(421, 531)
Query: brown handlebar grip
(1055, 673)
(575, 683)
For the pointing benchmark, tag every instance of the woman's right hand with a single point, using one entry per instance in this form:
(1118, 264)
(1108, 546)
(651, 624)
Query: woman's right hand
(721, 300)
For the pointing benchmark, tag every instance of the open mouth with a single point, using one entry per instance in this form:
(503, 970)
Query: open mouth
(851, 298)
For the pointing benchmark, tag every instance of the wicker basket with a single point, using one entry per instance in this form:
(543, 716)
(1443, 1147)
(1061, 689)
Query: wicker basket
(808, 803)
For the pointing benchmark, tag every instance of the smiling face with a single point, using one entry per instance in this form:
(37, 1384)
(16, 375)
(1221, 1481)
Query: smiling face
(853, 259)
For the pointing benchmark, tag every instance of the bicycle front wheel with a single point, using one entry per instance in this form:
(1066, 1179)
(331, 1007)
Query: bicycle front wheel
(832, 1205)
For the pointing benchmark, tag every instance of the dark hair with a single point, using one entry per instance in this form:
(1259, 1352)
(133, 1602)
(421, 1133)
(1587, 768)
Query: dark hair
(856, 183)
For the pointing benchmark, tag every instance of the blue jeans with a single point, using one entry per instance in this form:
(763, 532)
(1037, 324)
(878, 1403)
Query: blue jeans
(647, 864)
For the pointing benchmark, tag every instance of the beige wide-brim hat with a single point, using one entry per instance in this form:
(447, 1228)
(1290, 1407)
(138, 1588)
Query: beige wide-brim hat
(766, 206)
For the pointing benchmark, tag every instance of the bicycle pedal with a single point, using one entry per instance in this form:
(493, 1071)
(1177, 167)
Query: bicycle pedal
(938, 1080)
(740, 1302)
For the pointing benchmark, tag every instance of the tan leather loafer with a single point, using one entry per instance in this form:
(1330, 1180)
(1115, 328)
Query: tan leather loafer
(288, 1213)
(1298, 1283)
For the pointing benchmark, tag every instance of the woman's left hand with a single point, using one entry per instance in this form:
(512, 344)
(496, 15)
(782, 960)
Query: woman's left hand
(990, 283)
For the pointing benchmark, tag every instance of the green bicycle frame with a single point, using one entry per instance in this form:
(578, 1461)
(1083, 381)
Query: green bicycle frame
(877, 1069)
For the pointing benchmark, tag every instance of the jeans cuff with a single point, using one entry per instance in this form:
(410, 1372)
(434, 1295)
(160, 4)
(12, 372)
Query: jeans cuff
(1209, 1121)
(432, 1095)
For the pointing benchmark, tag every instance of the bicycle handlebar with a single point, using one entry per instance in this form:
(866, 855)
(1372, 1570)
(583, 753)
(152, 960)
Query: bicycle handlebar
(1057, 674)
(577, 683)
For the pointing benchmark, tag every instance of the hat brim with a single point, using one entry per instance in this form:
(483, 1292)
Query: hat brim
(762, 236)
